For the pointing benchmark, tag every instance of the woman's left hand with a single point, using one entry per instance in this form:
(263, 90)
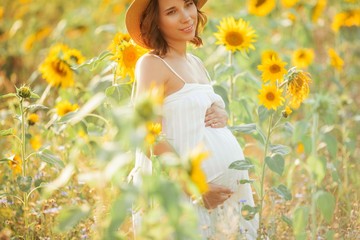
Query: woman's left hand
(216, 117)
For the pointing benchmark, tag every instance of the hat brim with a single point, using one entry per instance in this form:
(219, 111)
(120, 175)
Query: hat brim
(133, 16)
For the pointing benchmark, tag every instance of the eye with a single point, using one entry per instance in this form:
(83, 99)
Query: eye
(171, 12)
(189, 3)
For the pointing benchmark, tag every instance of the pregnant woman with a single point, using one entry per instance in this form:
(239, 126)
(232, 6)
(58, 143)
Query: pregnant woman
(165, 27)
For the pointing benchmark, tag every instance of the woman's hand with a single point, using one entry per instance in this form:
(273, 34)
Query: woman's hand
(216, 195)
(216, 117)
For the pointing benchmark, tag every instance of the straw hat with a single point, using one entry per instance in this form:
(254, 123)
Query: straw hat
(133, 15)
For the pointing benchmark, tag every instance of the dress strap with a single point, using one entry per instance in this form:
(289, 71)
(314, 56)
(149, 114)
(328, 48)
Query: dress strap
(202, 66)
(168, 65)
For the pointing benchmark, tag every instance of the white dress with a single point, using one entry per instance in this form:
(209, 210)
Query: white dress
(184, 127)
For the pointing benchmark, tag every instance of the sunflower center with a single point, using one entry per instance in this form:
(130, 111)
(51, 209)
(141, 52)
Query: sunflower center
(302, 55)
(59, 68)
(274, 68)
(260, 2)
(270, 96)
(129, 57)
(234, 38)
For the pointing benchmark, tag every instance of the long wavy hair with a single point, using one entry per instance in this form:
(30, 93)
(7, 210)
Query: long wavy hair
(151, 34)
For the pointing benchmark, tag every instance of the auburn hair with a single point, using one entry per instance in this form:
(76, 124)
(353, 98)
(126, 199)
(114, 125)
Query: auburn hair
(151, 35)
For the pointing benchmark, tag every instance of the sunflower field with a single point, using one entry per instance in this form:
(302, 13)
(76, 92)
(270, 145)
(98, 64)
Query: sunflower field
(288, 71)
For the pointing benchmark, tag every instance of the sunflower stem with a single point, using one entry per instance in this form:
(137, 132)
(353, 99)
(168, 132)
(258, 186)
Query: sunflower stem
(263, 172)
(231, 93)
(23, 158)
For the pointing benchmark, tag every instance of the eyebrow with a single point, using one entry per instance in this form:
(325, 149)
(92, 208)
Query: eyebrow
(172, 8)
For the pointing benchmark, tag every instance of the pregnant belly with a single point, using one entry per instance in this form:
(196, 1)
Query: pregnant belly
(224, 149)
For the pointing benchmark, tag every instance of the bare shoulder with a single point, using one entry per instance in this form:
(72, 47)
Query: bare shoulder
(150, 68)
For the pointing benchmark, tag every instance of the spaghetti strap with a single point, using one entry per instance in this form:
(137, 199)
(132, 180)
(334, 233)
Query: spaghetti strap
(168, 65)
(202, 66)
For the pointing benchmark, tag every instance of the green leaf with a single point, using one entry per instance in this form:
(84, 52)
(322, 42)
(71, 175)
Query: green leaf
(94, 130)
(69, 217)
(287, 220)
(318, 167)
(325, 202)
(263, 113)
(248, 212)
(223, 93)
(7, 132)
(8, 95)
(300, 130)
(244, 181)
(280, 149)
(300, 221)
(244, 128)
(94, 62)
(35, 107)
(331, 144)
(50, 158)
(34, 95)
(329, 235)
(24, 183)
(276, 163)
(241, 165)
(283, 192)
(5, 160)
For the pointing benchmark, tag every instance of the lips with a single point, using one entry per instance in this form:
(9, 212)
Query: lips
(188, 29)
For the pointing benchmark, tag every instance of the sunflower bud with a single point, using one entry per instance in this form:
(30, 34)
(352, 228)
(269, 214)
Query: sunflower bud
(286, 112)
(24, 92)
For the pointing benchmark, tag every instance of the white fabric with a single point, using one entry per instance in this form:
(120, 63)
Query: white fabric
(184, 127)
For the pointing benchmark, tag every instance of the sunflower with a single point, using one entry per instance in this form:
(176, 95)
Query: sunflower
(196, 173)
(126, 56)
(273, 70)
(235, 35)
(286, 112)
(346, 19)
(335, 60)
(153, 131)
(35, 142)
(318, 10)
(117, 41)
(288, 3)
(270, 96)
(73, 57)
(33, 118)
(65, 107)
(268, 54)
(302, 58)
(261, 7)
(298, 88)
(57, 72)
(15, 164)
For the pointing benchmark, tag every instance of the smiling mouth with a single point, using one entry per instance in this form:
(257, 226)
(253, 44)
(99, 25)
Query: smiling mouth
(188, 29)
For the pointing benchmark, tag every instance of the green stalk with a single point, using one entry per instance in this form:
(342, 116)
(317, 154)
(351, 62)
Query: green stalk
(313, 187)
(231, 93)
(23, 158)
(263, 172)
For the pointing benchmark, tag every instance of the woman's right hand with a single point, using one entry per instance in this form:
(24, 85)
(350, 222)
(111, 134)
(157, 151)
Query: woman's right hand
(216, 195)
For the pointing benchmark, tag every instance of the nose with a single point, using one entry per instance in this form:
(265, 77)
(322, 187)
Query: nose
(185, 16)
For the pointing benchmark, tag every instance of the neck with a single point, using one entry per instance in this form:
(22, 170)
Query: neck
(177, 50)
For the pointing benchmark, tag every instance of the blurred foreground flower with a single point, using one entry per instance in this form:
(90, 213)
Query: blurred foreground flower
(335, 60)
(197, 175)
(235, 35)
(303, 57)
(261, 7)
(35, 142)
(56, 68)
(349, 18)
(270, 96)
(153, 132)
(273, 70)
(65, 107)
(125, 54)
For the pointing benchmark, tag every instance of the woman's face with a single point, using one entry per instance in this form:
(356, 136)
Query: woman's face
(177, 20)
